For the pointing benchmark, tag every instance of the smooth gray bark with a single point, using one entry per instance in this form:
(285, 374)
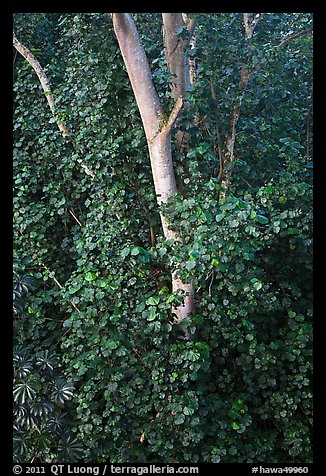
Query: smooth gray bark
(158, 132)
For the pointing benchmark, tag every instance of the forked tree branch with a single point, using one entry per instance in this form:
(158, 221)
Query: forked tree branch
(250, 25)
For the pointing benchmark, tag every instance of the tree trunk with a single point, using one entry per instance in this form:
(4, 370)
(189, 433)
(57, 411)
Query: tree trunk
(176, 56)
(158, 133)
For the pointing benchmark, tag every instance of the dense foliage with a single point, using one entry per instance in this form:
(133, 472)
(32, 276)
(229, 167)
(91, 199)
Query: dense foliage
(97, 325)
(41, 427)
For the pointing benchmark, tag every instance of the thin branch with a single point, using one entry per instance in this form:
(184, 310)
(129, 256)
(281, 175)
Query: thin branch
(147, 214)
(61, 287)
(191, 42)
(182, 142)
(30, 58)
(256, 19)
(283, 42)
(71, 213)
(309, 419)
(246, 182)
(87, 169)
(174, 114)
(212, 88)
(218, 134)
(191, 25)
(220, 153)
(65, 333)
(210, 285)
(295, 35)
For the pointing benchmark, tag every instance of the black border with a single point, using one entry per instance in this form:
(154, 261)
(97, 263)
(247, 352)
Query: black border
(6, 177)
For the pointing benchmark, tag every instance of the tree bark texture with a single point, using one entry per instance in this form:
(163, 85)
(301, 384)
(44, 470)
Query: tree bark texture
(157, 130)
(174, 48)
(177, 60)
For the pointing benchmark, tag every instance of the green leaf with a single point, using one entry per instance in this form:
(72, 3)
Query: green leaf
(67, 323)
(152, 316)
(179, 419)
(23, 392)
(113, 344)
(125, 252)
(190, 265)
(256, 284)
(203, 147)
(235, 425)
(112, 386)
(219, 217)
(262, 219)
(73, 289)
(90, 276)
(153, 300)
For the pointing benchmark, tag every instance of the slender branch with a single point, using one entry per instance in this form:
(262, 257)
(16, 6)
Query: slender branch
(295, 35)
(87, 169)
(212, 88)
(71, 213)
(256, 19)
(228, 158)
(210, 285)
(191, 25)
(309, 419)
(282, 43)
(182, 141)
(191, 42)
(30, 58)
(220, 153)
(218, 134)
(174, 114)
(308, 137)
(61, 287)
(308, 129)
(147, 214)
